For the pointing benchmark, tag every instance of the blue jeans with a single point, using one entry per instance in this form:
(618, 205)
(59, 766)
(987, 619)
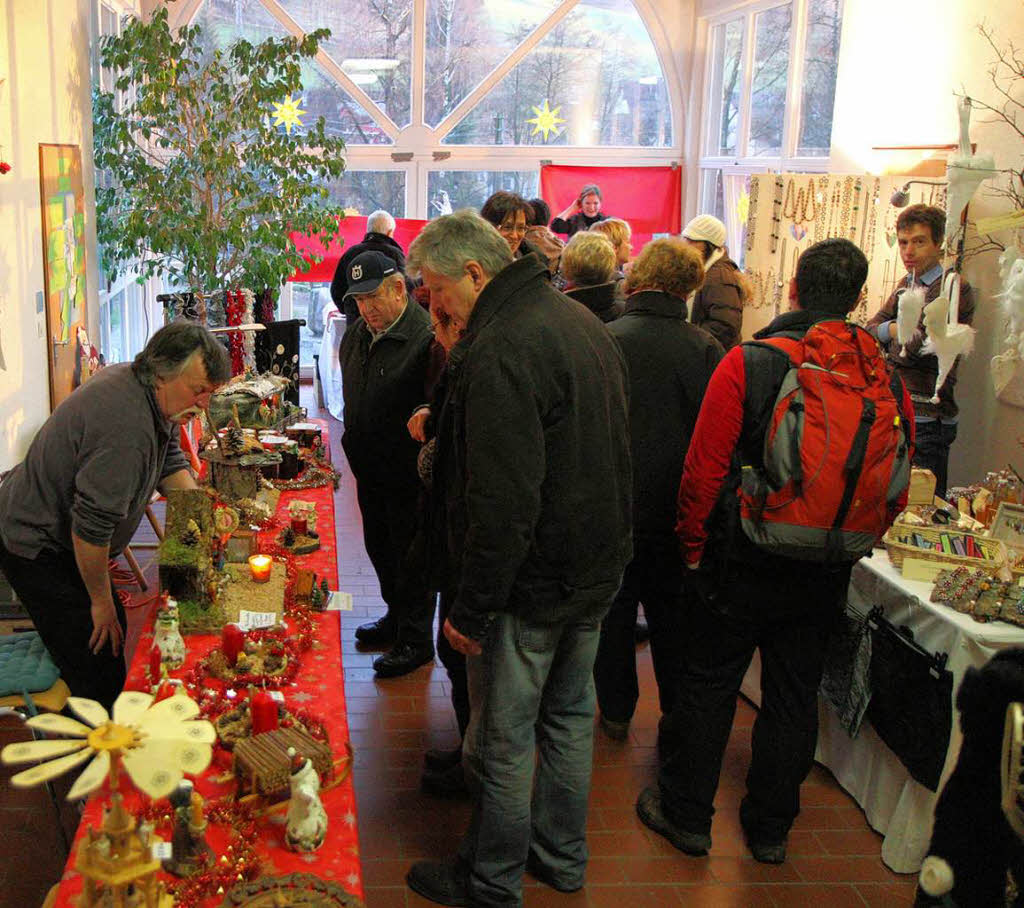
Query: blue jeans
(933, 439)
(531, 696)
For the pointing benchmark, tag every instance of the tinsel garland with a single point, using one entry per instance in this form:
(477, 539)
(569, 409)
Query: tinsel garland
(234, 308)
(314, 476)
(239, 861)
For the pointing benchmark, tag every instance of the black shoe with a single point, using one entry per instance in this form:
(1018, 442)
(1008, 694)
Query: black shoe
(641, 632)
(438, 760)
(445, 883)
(377, 633)
(445, 783)
(617, 731)
(403, 659)
(542, 875)
(648, 808)
(766, 852)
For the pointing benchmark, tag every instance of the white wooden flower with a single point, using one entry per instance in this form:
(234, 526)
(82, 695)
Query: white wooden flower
(157, 744)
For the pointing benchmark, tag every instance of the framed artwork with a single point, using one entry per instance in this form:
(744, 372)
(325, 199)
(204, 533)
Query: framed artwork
(1009, 524)
(62, 202)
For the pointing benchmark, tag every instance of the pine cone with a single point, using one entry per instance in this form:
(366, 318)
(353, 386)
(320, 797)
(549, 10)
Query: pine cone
(234, 441)
(288, 537)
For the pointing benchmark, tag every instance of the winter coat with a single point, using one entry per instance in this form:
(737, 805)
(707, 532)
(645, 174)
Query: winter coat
(718, 305)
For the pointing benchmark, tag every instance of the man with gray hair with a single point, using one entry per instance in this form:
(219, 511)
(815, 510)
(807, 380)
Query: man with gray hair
(76, 499)
(533, 466)
(380, 231)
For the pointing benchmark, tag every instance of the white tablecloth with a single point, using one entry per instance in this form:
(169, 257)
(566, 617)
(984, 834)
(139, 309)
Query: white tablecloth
(330, 369)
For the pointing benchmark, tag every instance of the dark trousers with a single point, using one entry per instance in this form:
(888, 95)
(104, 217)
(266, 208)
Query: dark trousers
(653, 577)
(933, 439)
(389, 526)
(789, 617)
(454, 663)
(52, 591)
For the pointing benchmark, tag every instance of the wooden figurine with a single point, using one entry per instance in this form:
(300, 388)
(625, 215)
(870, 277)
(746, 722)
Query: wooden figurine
(189, 848)
(302, 589)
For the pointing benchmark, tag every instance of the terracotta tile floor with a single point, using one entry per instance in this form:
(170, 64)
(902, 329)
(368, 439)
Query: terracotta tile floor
(833, 855)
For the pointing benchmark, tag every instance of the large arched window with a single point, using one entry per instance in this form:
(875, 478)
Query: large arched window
(449, 100)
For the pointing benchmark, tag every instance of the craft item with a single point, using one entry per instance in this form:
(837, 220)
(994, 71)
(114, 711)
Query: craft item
(298, 525)
(189, 849)
(260, 567)
(922, 488)
(167, 637)
(855, 213)
(302, 586)
(776, 214)
(945, 340)
(232, 642)
(262, 765)
(306, 825)
(263, 711)
(293, 889)
(155, 664)
(752, 214)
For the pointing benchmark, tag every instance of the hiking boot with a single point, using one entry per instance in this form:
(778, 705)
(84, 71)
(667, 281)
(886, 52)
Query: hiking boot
(648, 808)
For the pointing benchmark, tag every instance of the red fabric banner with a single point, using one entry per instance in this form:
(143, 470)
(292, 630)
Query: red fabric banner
(353, 229)
(649, 198)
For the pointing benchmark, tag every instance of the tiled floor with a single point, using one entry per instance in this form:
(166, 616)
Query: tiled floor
(833, 855)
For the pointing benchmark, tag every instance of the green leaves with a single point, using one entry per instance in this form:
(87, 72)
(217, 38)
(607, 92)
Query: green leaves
(198, 185)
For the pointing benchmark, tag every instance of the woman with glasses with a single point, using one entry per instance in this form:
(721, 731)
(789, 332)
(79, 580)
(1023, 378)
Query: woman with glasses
(510, 213)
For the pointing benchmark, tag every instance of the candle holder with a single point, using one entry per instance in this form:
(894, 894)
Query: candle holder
(260, 567)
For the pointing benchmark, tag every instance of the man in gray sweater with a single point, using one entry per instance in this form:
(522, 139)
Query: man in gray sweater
(76, 499)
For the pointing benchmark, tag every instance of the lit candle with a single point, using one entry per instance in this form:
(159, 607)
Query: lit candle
(260, 566)
(263, 711)
(232, 641)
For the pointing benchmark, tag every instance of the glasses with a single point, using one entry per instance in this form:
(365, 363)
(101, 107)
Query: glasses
(512, 228)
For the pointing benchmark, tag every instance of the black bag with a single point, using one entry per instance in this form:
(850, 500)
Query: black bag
(846, 681)
(911, 699)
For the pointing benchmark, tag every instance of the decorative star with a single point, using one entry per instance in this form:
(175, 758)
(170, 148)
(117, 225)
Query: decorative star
(546, 120)
(350, 819)
(288, 113)
(743, 206)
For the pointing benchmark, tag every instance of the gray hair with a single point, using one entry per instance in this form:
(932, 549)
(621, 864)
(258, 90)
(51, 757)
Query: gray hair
(169, 351)
(588, 259)
(445, 245)
(380, 221)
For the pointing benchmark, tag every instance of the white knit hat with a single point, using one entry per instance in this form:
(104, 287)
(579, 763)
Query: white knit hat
(706, 227)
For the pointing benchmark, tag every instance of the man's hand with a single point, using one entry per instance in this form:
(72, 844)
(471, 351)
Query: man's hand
(460, 642)
(105, 627)
(417, 424)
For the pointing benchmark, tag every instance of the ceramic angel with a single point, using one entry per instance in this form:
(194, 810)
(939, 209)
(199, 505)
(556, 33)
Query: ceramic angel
(965, 172)
(909, 307)
(1008, 366)
(947, 341)
(307, 820)
(167, 638)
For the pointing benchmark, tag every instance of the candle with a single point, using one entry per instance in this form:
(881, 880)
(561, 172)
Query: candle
(299, 525)
(263, 711)
(155, 660)
(196, 810)
(232, 641)
(260, 566)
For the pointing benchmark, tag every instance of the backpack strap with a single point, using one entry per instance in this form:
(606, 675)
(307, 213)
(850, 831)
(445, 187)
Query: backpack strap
(852, 468)
(765, 364)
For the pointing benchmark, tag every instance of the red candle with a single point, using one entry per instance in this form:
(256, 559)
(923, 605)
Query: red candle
(264, 712)
(165, 690)
(299, 526)
(232, 640)
(155, 659)
(260, 567)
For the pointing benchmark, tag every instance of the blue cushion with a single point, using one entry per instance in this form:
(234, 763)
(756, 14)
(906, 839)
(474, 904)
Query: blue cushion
(25, 665)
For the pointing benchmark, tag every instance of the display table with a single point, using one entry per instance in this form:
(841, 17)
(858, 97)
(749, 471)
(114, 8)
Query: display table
(317, 694)
(896, 805)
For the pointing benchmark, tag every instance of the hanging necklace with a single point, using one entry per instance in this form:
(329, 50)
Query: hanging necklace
(752, 212)
(776, 214)
(820, 209)
(856, 210)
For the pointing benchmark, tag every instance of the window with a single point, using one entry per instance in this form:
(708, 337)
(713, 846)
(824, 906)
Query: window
(455, 189)
(754, 120)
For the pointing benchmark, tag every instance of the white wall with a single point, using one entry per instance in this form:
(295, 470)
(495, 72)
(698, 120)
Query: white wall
(898, 69)
(46, 98)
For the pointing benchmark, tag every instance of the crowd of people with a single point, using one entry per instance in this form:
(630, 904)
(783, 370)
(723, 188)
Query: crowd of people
(546, 435)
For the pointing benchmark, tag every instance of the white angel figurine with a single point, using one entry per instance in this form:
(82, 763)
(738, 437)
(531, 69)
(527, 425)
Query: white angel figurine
(965, 172)
(947, 341)
(909, 307)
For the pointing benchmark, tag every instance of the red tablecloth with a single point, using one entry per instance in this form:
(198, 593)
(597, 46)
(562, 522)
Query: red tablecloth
(317, 691)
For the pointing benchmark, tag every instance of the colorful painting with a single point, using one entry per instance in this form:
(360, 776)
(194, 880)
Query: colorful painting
(62, 201)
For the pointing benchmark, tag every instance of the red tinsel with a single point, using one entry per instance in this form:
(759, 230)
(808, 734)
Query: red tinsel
(234, 310)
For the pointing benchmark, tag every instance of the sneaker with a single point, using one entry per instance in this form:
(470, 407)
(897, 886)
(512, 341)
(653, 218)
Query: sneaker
(445, 783)
(648, 808)
(404, 658)
(617, 731)
(379, 633)
(444, 883)
(542, 875)
(438, 760)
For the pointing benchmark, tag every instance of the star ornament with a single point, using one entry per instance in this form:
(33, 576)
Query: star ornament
(155, 743)
(546, 120)
(288, 113)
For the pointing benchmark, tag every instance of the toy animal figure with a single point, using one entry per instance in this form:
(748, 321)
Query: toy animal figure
(306, 825)
(908, 313)
(947, 341)
(167, 638)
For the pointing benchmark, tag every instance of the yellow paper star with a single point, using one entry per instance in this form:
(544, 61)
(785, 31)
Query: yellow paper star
(546, 121)
(288, 113)
(743, 206)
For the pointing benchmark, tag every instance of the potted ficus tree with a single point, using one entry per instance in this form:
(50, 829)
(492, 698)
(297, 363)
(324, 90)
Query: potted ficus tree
(199, 185)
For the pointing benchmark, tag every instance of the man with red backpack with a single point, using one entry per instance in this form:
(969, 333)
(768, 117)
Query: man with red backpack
(798, 464)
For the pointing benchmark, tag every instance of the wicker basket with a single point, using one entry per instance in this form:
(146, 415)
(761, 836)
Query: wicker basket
(900, 550)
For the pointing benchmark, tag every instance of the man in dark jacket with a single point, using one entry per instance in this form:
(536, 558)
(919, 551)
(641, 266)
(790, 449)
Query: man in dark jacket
(670, 362)
(384, 361)
(380, 229)
(744, 597)
(533, 443)
(919, 233)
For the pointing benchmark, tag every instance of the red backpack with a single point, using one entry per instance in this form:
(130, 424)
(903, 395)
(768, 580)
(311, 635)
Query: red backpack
(836, 457)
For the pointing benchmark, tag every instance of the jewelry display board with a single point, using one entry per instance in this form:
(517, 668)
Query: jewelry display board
(788, 212)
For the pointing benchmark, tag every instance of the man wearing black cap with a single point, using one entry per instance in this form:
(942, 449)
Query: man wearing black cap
(384, 362)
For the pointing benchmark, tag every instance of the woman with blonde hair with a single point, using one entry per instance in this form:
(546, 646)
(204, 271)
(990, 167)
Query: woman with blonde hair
(588, 266)
(717, 306)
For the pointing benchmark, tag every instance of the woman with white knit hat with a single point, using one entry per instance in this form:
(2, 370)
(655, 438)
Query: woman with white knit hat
(717, 306)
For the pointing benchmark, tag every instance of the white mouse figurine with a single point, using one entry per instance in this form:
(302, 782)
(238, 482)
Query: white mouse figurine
(307, 820)
(167, 637)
